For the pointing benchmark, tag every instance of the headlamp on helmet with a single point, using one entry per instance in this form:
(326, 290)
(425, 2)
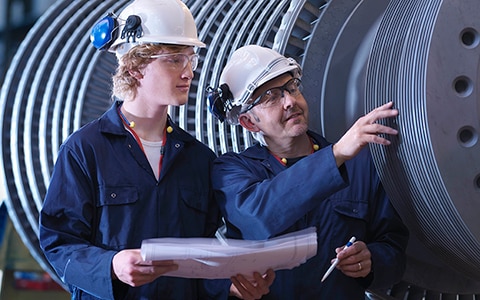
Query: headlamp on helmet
(146, 22)
(104, 32)
(219, 101)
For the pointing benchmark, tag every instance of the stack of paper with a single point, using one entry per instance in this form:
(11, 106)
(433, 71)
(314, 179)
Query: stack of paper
(211, 259)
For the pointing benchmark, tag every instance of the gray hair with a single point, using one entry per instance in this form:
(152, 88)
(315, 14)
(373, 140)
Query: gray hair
(259, 136)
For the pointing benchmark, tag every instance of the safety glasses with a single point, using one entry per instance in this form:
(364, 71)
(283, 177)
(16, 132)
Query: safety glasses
(178, 61)
(273, 96)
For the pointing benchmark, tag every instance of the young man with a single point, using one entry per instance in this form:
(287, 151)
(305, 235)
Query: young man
(293, 179)
(133, 174)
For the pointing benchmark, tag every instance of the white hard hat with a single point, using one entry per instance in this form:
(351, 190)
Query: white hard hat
(248, 68)
(155, 21)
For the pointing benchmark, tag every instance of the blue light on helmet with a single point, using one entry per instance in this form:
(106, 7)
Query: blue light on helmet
(102, 34)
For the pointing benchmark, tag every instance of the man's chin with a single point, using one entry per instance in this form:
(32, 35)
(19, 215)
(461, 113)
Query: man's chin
(299, 129)
(180, 101)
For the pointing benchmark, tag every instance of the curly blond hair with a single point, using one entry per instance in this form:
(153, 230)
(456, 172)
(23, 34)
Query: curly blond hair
(135, 60)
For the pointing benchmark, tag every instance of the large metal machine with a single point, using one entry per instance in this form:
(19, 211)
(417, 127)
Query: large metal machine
(356, 54)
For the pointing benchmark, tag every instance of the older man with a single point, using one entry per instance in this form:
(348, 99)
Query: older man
(294, 178)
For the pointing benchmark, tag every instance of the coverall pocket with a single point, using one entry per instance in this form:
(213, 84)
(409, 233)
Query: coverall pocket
(352, 217)
(352, 208)
(195, 211)
(117, 215)
(117, 195)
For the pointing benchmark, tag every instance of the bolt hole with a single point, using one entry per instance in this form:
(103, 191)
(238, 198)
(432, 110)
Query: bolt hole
(470, 38)
(463, 86)
(467, 136)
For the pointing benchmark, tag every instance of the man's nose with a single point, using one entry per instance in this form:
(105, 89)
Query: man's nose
(187, 71)
(288, 100)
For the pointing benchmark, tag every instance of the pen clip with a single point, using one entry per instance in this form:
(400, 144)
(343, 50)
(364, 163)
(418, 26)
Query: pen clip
(221, 237)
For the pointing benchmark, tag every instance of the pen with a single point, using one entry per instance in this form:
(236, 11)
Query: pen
(335, 262)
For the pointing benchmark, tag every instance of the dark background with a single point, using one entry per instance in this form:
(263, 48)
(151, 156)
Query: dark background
(16, 18)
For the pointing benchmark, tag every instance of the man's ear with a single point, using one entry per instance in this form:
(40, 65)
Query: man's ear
(136, 74)
(246, 121)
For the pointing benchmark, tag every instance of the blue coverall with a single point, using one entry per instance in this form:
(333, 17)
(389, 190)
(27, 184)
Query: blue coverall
(104, 197)
(261, 198)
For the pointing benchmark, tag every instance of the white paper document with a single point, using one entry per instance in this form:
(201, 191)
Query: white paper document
(209, 258)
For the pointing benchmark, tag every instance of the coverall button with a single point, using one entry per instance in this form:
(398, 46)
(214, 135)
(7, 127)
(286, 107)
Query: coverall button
(113, 195)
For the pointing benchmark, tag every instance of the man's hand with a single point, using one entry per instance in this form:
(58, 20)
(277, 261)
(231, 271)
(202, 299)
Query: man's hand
(365, 130)
(354, 261)
(129, 267)
(251, 290)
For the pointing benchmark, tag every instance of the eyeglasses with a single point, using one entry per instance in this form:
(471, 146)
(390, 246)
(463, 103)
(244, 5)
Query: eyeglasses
(178, 61)
(273, 96)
